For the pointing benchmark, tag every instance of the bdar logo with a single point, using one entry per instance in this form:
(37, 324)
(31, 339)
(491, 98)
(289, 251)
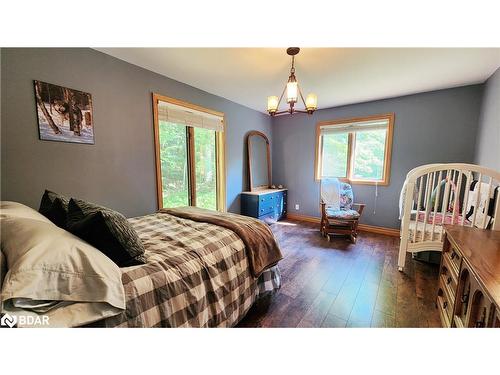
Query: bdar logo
(9, 321)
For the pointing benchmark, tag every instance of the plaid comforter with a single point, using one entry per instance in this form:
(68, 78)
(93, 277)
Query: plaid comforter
(197, 275)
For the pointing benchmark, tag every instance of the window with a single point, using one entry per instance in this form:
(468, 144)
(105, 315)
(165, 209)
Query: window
(356, 150)
(189, 146)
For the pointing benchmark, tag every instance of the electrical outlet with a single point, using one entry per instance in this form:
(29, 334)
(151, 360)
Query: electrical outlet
(297, 206)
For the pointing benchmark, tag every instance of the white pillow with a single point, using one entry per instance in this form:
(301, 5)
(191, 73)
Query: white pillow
(15, 209)
(53, 273)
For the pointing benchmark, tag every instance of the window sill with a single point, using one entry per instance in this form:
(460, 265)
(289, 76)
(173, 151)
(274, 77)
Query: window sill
(368, 182)
(360, 182)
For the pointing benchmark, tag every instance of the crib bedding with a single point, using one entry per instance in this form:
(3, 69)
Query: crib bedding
(197, 275)
(438, 227)
(439, 221)
(428, 236)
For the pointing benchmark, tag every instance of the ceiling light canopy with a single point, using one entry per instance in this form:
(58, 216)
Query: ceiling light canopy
(293, 93)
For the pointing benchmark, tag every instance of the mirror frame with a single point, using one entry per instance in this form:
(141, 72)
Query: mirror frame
(249, 159)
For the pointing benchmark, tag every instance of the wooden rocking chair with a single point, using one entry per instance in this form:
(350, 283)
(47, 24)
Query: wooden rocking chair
(339, 215)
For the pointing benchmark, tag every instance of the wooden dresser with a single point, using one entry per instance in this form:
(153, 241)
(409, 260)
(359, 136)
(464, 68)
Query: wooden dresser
(268, 205)
(469, 280)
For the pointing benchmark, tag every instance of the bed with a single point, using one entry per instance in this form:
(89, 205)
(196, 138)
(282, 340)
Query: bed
(196, 274)
(435, 195)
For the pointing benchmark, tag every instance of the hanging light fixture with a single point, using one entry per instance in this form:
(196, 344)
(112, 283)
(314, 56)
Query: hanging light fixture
(293, 93)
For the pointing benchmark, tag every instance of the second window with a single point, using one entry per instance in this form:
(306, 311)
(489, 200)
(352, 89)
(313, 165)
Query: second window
(356, 150)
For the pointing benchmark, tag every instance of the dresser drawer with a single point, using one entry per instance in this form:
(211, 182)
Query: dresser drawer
(266, 207)
(454, 259)
(264, 198)
(447, 280)
(445, 307)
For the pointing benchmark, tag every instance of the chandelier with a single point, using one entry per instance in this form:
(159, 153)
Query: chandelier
(292, 94)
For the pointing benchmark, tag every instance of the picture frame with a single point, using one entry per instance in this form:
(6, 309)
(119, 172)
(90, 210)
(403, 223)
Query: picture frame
(63, 114)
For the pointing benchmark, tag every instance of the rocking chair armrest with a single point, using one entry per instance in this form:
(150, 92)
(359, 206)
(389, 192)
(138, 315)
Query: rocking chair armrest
(323, 208)
(359, 207)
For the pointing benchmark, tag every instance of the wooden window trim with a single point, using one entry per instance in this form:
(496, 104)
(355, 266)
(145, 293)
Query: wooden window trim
(220, 147)
(350, 149)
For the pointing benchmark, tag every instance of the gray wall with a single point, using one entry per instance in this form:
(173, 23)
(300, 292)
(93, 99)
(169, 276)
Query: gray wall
(431, 127)
(488, 138)
(119, 170)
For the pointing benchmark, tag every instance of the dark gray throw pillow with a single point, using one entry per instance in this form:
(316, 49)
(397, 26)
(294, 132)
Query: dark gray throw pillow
(107, 230)
(55, 208)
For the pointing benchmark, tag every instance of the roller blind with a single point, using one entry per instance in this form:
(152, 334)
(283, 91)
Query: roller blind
(355, 127)
(190, 117)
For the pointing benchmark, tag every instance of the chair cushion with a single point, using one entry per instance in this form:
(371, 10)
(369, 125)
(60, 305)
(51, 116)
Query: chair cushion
(346, 196)
(342, 214)
(330, 192)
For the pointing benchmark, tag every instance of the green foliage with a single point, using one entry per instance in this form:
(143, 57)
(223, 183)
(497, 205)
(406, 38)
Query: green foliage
(335, 155)
(204, 147)
(369, 155)
(173, 156)
(368, 161)
(174, 166)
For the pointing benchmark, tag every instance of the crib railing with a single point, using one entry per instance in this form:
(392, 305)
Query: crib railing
(438, 194)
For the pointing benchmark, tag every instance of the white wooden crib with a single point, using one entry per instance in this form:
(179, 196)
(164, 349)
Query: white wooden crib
(437, 194)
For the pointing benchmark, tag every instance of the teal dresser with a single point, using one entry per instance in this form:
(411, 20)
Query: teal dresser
(269, 205)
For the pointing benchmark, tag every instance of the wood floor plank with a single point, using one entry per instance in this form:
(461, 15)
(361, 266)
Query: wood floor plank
(406, 300)
(386, 298)
(343, 304)
(332, 321)
(364, 305)
(317, 312)
(338, 276)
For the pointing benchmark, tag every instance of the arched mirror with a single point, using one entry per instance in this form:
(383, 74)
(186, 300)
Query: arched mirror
(259, 161)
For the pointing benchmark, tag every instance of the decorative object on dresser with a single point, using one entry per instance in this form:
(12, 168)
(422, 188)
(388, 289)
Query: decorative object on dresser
(469, 278)
(339, 215)
(262, 201)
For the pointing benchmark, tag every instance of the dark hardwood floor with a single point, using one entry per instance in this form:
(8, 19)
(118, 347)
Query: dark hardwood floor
(339, 284)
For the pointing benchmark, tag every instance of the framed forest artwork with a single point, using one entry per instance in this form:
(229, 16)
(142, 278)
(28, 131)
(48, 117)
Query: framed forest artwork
(64, 114)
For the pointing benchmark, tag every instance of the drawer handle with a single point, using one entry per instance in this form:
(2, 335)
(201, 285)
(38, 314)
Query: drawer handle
(448, 280)
(453, 255)
(262, 210)
(465, 298)
(445, 304)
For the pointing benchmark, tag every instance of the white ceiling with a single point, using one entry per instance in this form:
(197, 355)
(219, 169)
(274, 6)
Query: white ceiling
(337, 75)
